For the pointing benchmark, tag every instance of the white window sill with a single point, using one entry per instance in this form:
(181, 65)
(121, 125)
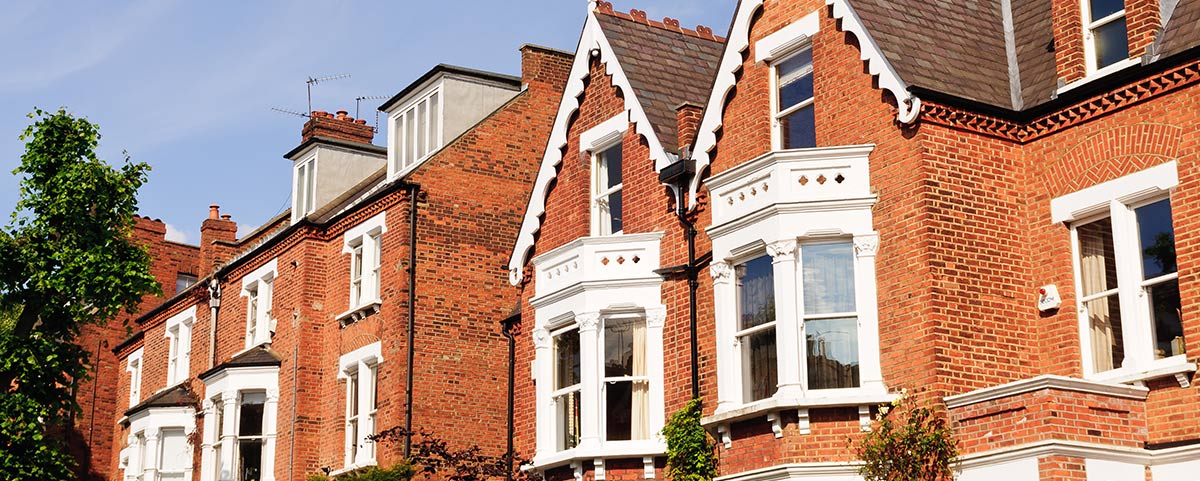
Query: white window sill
(358, 313)
(1100, 73)
(838, 398)
(352, 468)
(603, 450)
(1171, 366)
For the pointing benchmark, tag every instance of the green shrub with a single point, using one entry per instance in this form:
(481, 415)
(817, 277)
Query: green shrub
(907, 443)
(691, 454)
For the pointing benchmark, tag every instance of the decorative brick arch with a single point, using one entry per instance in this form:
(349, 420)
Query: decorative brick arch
(1110, 154)
(358, 341)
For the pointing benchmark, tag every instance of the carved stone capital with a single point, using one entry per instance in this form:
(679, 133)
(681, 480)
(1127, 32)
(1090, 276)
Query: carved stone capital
(541, 338)
(866, 245)
(656, 317)
(721, 271)
(782, 251)
(588, 321)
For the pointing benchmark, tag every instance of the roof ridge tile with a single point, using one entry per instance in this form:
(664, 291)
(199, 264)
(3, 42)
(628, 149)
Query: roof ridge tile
(667, 23)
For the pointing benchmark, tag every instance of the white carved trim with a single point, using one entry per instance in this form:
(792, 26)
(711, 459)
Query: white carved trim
(726, 439)
(721, 271)
(648, 467)
(908, 105)
(866, 244)
(864, 418)
(598, 469)
(541, 338)
(377, 224)
(265, 272)
(856, 397)
(607, 133)
(793, 471)
(370, 354)
(587, 321)
(782, 251)
(1146, 457)
(1096, 199)
(877, 64)
(592, 38)
(804, 424)
(776, 424)
(656, 317)
(787, 39)
(188, 314)
(1047, 381)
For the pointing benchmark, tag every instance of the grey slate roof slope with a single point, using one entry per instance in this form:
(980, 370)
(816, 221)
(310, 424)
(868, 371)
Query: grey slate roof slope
(665, 67)
(255, 357)
(959, 47)
(1182, 30)
(177, 396)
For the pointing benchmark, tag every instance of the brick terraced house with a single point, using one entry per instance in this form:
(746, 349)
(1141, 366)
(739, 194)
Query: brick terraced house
(989, 203)
(374, 302)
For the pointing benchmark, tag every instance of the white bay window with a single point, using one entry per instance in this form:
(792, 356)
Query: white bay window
(241, 406)
(794, 286)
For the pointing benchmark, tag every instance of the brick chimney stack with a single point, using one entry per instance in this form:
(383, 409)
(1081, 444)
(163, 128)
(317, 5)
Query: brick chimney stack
(545, 67)
(687, 118)
(218, 234)
(338, 126)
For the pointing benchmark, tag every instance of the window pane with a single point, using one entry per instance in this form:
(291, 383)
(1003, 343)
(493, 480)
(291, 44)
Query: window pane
(219, 415)
(832, 346)
(184, 281)
(1108, 342)
(402, 140)
(352, 395)
(566, 357)
(799, 129)
(302, 189)
(250, 421)
(755, 292)
(618, 397)
(1168, 323)
(1097, 259)
(1104, 8)
(828, 282)
(612, 166)
(1157, 239)
(567, 406)
(614, 212)
(795, 79)
(619, 346)
(422, 132)
(435, 122)
(1112, 43)
(173, 453)
(310, 195)
(760, 364)
(250, 460)
(410, 137)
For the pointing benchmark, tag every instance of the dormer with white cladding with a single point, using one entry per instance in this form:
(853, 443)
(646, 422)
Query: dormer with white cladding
(336, 156)
(438, 107)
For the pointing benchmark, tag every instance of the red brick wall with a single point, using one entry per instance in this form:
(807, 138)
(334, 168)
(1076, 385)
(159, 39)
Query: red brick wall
(92, 441)
(466, 222)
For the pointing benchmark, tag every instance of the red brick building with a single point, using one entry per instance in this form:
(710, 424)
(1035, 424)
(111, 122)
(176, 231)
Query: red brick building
(379, 290)
(990, 204)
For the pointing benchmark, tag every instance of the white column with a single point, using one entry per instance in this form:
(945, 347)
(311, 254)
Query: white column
(151, 461)
(729, 378)
(544, 385)
(866, 300)
(788, 331)
(589, 367)
(1137, 342)
(270, 412)
(206, 452)
(228, 434)
(656, 318)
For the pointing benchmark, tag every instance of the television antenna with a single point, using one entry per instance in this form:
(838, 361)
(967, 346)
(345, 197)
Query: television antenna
(358, 104)
(290, 112)
(314, 81)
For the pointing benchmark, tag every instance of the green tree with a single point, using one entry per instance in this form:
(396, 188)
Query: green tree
(66, 260)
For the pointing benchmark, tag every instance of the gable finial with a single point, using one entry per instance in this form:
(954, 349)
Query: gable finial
(591, 5)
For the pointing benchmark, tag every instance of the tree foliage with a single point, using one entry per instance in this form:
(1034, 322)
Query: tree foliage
(907, 442)
(66, 261)
(691, 453)
(433, 457)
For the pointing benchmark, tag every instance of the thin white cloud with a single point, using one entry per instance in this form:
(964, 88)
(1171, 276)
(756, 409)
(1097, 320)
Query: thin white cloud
(176, 235)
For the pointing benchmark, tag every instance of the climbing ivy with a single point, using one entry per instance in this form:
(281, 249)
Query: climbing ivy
(691, 453)
(907, 442)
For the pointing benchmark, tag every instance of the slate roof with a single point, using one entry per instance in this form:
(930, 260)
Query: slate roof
(960, 47)
(257, 356)
(177, 396)
(1183, 28)
(664, 65)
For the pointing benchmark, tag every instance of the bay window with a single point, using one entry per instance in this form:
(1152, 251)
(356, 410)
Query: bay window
(828, 318)
(566, 389)
(240, 424)
(250, 436)
(626, 386)
(756, 328)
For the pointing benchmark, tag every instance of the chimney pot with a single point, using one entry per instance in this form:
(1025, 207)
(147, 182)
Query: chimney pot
(214, 211)
(360, 122)
(341, 114)
(226, 216)
(342, 126)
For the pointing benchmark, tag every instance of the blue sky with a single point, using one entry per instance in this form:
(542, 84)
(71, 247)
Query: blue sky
(188, 86)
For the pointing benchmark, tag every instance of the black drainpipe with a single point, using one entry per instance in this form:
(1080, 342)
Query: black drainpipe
(413, 191)
(507, 327)
(678, 175)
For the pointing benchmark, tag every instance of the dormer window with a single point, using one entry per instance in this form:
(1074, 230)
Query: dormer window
(795, 124)
(305, 190)
(417, 130)
(1106, 40)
